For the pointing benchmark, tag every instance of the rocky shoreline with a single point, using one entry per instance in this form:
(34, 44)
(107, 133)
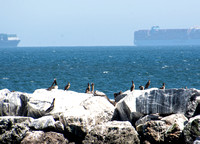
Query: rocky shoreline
(141, 116)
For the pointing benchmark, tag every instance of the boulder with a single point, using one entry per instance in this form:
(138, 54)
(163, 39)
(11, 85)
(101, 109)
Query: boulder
(12, 103)
(17, 119)
(79, 120)
(147, 118)
(113, 132)
(43, 123)
(192, 130)
(135, 116)
(59, 127)
(41, 100)
(179, 119)
(197, 141)
(100, 107)
(176, 123)
(155, 100)
(47, 123)
(119, 97)
(35, 105)
(3, 93)
(152, 131)
(40, 137)
(168, 129)
(197, 111)
(13, 129)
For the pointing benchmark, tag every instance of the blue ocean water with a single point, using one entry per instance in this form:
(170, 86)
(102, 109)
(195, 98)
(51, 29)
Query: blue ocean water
(111, 69)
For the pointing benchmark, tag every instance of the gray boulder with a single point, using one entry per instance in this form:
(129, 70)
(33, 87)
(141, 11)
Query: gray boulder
(176, 123)
(40, 137)
(41, 100)
(112, 132)
(167, 130)
(119, 97)
(13, 103)
(176, 119)
(13, 129)
(17, 119)
(192, 130)
(39, 103)
(59, 127)
(197, 141)
(155, 100)
(152, 131)
(43, 123)
(47, 123)
(3, 93)
(79, 120)
(147, 118)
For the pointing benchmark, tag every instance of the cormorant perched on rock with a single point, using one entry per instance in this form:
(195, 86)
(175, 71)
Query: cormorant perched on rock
(51, 106)
(147, 84)
(141, 87)
(133, 86)
(67, 86)
(88, 88)
(52, 86)
(92, 84)
(116, 94)
(163, 86)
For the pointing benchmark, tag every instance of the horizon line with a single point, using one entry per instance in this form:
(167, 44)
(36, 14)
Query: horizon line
(83, 46)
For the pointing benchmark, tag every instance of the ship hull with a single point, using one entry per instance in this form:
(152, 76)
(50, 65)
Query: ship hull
(167, 42)
(10, 43)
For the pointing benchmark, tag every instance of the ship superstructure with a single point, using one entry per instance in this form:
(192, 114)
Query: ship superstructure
(9, 40)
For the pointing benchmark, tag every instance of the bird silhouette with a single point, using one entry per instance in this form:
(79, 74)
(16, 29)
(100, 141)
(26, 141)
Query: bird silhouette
(132, 86)
(147, 84)
(53, 86)
(67, 86)
(92, 85)
(163, 86)
(141, 87)
(88, 88)
(51, 106)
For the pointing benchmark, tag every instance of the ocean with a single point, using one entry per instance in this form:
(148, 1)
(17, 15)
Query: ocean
(110, 68)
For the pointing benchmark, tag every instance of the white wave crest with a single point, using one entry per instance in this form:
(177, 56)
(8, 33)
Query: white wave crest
(105, 72)
(165, 66)
(5, 78)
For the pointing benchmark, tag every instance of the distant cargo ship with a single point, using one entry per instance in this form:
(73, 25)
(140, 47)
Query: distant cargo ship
(9, 40)
(167, 37)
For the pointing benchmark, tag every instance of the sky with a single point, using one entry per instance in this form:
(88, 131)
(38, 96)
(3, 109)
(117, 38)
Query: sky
(92, 22)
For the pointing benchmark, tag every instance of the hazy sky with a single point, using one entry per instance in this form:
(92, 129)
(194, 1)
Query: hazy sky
(92, 22)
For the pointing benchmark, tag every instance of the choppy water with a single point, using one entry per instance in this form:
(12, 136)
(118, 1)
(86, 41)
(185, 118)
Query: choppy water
(111, 68)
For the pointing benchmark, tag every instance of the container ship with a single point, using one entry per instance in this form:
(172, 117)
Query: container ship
(167, 37)
(9, 40)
